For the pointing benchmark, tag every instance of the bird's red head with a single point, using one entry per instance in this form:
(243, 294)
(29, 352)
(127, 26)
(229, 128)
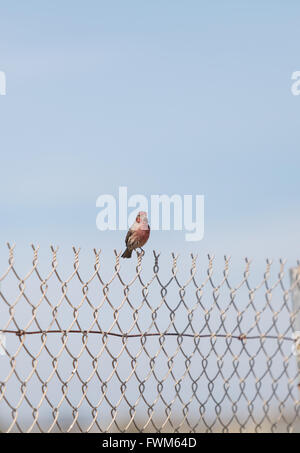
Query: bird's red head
(141, 217)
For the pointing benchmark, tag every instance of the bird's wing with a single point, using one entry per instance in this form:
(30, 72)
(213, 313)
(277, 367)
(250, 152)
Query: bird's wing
(129, 233)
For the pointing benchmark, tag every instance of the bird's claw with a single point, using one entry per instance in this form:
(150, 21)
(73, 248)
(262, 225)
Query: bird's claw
(141, 253)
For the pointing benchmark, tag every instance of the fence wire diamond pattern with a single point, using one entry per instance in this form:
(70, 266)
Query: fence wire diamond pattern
(147, 347)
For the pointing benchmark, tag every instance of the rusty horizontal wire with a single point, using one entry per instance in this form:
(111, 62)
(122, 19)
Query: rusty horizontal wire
(241, 337)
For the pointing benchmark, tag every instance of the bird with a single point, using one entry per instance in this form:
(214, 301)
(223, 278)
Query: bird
(137, 235)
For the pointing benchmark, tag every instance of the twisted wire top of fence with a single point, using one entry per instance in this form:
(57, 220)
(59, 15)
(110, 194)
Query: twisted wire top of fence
(209, 355)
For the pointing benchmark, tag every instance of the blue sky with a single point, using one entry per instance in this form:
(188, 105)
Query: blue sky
(163, 97)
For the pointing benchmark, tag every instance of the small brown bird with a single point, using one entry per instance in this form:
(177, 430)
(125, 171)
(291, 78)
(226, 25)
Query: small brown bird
(137, 235)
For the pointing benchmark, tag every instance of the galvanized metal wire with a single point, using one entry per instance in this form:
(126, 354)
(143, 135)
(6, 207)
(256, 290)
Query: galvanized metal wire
(147, 350)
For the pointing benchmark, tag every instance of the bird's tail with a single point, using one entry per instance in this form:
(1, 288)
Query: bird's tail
(127, 254)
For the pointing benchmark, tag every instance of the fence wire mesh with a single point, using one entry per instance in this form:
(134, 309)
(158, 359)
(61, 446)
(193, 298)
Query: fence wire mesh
(143, 347)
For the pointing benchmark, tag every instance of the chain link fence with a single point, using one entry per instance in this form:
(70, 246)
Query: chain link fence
(181, 345)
